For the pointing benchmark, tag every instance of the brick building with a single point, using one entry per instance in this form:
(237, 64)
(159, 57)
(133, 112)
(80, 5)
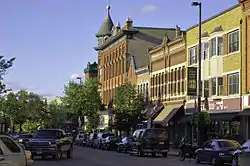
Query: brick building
(245, 114)
(167, 79)
(123, 50)
(221, 70)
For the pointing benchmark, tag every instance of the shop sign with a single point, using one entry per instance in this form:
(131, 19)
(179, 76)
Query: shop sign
(192, 81)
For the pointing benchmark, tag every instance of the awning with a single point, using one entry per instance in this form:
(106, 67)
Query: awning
(226, 116)
(167, 113)
(245, 112)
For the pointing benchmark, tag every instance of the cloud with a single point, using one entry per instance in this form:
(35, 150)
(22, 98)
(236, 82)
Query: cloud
(14, 86)
(75, 76)
(149, 9)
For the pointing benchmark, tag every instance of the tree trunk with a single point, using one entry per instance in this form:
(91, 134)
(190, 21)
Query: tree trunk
(20, 128)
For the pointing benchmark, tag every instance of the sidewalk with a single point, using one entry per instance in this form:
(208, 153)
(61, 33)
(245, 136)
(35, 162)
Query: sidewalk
(173, 152)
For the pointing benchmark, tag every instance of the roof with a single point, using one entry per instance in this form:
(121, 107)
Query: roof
(107, 25)
(91, 68)
(217, 15)
(157, 32)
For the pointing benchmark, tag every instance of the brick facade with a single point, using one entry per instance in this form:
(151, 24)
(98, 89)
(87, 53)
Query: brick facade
(168, 70)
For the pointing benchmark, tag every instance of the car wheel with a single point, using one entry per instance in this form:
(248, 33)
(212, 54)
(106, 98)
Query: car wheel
(182, 156)
(70, 153)
(235, 161)
(165, 154)
(140, 153)
(197, 160)
(214, 161)
(58, 155)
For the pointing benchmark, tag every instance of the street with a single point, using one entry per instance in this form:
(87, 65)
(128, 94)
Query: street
(93, 157)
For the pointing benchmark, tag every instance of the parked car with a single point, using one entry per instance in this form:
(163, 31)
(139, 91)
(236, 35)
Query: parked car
(125, 145)
(81, 139)
(101, 138)
(50, 142)
(90, 141)
(11, 153)
(111, 143)
(13, 135)
(154, 140)
(217, 151)
(24, 139)
(242, 151)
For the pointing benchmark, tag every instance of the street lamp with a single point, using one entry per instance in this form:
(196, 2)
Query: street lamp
(199, 57)
(199, 70)
(79, 78)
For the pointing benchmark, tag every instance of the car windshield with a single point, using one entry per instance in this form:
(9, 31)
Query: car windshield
(156, 133)
(246, 144)
(47, 134)
(228, 144)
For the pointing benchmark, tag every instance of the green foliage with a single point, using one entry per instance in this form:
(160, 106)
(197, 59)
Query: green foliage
(4, 65)
(128, 104)
(201, 118)
(57, 115)
(24, 106)
(83, 100)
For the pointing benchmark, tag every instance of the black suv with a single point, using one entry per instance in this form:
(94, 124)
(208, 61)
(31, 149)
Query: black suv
(50, 142)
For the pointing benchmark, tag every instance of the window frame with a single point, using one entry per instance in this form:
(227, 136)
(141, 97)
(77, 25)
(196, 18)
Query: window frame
(212, 47)
(205, 50)
(192, 59)
(220, 92)
(212, 79)
(205, 89)
(237, 84)
(230, 44)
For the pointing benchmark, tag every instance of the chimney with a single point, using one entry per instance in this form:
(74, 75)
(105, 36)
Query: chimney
(177, 31)
(129, 23)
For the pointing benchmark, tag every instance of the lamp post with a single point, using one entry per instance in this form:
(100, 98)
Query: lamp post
(199, 68)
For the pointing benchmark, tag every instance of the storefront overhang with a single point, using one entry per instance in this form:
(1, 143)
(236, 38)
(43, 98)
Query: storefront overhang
(168, 113)
(245, 112)
(223, 116)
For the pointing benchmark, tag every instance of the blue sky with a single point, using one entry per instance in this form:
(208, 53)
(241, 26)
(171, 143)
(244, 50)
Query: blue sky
(53, 39)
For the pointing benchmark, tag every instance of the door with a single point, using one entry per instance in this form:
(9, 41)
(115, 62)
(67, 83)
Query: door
(209, 150)
(10, 153)
(204, 151)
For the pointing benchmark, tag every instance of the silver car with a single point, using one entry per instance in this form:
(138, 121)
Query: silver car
(11, 154)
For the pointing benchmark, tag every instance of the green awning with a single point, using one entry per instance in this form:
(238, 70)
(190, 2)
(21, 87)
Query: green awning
(223, 116)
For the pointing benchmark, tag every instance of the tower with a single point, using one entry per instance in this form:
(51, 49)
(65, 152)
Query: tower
(106, 27)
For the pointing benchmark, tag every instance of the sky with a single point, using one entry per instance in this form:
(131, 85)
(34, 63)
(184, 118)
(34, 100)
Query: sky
(54, 39)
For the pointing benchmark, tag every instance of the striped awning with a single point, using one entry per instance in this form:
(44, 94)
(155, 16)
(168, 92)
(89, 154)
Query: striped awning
(166, 112)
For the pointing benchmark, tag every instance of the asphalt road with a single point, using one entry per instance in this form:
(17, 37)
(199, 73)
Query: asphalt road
(93, 157)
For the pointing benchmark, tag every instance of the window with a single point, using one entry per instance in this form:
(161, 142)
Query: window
(233, 84)
(204, 49)
(213, 80)
(220, 86)
(220, 45)
(192, 56)
(213, 42)
(11, 145)
(233, 41)
(162, 78)
(206, 88)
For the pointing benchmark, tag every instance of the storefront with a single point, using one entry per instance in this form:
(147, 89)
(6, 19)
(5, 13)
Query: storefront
(222, 119)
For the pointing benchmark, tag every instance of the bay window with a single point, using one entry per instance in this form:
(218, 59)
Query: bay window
(233, 84)
(192, 56)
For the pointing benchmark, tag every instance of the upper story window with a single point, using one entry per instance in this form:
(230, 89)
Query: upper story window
(233, 41)
(233, 84)
(213, 86)
(213, 46)
(206, 88)
(217, 46)
(204, 50)
(220, 45)
(192, 58)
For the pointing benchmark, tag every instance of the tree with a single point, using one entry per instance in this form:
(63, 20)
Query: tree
(57, 115)
(24, 106)
(128, 105)
(4, 65)
(84, 100)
